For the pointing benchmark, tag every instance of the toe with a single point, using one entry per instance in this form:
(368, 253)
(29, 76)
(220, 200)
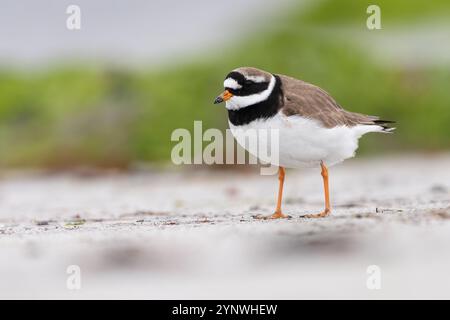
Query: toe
(279, 215)
(318, 215)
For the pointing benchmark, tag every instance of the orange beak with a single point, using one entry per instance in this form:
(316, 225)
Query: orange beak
(226, 95)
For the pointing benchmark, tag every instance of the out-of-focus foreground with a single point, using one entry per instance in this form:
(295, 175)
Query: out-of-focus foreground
(149, 236)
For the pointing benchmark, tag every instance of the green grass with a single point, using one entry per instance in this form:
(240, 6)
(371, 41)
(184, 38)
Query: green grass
(87, 116)
(392, 12)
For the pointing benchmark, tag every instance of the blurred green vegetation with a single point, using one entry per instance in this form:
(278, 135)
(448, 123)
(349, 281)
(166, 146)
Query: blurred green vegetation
(83, 115)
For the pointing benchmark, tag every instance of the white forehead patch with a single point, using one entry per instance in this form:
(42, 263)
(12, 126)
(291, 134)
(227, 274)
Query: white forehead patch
(238, 102)
(257, 79)
(231, 83)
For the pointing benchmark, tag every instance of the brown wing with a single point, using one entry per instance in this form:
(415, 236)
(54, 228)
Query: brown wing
(307, 100)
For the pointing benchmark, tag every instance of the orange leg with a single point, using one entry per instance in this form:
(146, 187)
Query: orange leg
(278, 214)
(327, 210)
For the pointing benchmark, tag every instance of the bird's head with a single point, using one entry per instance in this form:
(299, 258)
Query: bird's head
(246, 86)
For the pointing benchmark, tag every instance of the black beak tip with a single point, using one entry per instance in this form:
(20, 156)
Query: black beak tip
(218, 100)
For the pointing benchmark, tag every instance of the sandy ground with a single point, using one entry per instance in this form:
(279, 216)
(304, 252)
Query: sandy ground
(192, 234)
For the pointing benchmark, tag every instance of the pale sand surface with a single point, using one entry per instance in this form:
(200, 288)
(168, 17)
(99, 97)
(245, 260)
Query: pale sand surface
(191, 233)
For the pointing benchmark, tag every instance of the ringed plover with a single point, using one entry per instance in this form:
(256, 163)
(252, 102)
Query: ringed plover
(314, 130)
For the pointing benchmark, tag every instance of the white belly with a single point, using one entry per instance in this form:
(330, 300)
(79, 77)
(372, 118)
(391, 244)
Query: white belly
(303, 142)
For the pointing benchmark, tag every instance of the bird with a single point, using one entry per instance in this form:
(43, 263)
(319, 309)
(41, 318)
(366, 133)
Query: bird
(313, 129)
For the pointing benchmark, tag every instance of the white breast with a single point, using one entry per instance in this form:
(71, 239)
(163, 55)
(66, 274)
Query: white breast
(304, 142)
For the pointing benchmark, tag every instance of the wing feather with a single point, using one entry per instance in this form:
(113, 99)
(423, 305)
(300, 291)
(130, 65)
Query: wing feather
(309, 101)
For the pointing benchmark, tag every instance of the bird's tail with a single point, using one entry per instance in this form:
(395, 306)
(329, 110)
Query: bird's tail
(385, 124)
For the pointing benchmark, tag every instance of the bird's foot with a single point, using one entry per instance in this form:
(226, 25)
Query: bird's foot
(276, 215)
(279, 215)
(323, 214)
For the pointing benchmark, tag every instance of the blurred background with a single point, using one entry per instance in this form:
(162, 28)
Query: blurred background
(110, 94)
